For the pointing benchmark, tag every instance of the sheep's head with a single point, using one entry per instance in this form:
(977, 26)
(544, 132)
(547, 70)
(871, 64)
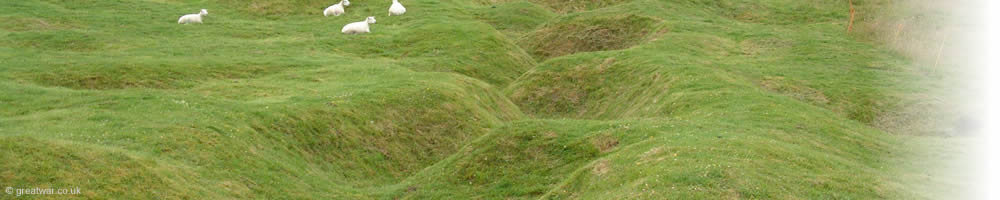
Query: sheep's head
(203, 12)
(370, 20)
(346, 2)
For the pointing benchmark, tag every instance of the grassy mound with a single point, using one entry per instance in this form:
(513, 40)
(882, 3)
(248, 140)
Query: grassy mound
(657, 159)
(279, 8)
(515, 19)
(781, 11)
(584, 34)
(566, 6)
(481, 53)
(65, 164)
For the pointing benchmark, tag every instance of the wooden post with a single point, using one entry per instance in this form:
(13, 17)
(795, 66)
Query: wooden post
(850, 24)
(937, 60)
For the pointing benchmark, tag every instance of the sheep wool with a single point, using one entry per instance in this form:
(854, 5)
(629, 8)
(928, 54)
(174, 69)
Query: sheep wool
(192, 18)
(358, 27)
(336, 9)
(396, 8)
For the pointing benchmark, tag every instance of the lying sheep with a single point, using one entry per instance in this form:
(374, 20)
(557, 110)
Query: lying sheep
(336, 9)
(192, 18)
(396, 8)
(358, 27)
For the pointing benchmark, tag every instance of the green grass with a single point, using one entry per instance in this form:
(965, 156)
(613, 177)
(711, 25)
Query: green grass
(623, 99)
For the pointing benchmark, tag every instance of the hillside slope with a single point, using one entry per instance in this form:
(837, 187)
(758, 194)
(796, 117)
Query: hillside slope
(487, 99)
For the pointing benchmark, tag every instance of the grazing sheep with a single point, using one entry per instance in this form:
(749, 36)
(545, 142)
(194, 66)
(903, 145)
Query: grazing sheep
(358, 27)
(336, 9)
(396, 8)
(192, 18)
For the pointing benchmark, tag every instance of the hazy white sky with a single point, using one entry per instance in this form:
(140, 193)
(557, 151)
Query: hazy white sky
(990, 59)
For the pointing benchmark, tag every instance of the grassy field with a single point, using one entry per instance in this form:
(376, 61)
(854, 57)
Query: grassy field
(482, 99)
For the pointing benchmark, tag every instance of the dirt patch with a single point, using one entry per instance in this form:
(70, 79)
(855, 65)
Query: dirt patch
(581, 34)
(601, 167)
(653, 155)
(604, 143)
(550, 134)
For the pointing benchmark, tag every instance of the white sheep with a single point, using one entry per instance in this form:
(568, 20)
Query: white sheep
(336, 9)
(192, 18)
(396, 8)
(358, 27)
